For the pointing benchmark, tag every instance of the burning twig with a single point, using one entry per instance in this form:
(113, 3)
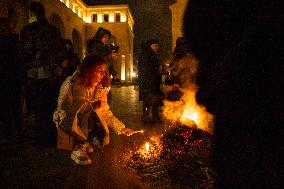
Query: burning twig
(141, 131)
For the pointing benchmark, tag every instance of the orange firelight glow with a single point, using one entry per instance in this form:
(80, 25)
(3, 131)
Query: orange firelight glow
(187, 111)
(147, 147)
(189, 116)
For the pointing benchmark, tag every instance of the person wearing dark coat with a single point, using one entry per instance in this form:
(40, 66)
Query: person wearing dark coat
(10, 82)
(71, 60)
(150, 80)
(42, 51)
(99, 43)
(240, 81)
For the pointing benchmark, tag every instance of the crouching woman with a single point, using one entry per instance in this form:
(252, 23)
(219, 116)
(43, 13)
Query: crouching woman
(83, 110)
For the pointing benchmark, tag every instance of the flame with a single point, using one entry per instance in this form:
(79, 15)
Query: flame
(189, 116)
(147, 147)
(187, 110)
(156, 148)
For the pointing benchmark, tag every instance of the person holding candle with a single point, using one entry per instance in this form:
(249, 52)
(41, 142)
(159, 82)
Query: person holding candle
(81, 103)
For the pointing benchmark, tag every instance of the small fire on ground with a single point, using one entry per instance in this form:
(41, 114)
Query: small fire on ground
(187, 111)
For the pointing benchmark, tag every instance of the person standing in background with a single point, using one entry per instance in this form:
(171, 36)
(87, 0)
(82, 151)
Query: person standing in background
(11, 78)
(150, 79)
(71, 60)
(42, 51)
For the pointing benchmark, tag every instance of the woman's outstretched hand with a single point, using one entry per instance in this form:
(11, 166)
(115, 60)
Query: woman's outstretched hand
(127, 131)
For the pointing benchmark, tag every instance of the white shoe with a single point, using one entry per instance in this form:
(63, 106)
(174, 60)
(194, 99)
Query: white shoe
(87, 147)
(81, 157)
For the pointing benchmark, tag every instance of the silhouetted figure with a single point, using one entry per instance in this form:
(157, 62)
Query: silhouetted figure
(182, 70)
(42, 54)
(150, 80)
(10, 82)
(71, 60)
(240, 81)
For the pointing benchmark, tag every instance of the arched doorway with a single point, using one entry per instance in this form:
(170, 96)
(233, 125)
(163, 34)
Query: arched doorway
(77, 42)
(56, 21)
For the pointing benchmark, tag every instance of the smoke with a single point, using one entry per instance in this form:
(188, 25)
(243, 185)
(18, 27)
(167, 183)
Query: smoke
(187, 109)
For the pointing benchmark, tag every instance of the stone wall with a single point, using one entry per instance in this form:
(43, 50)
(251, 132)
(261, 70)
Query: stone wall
(177, 19)
(73, 27)
(71, 23)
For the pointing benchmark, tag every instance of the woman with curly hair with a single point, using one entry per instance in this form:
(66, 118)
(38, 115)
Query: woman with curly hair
(81, 102)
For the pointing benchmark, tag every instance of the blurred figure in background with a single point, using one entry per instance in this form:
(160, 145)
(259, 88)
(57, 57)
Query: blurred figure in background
(182, 70)
(112, 61)
(99, 44)
(42, 51)
(150, 79)
(71, 60)
(11, 78)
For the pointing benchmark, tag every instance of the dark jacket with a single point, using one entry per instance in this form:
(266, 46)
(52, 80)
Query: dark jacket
(73, 62)
(95, 46)
(10, 71)
(41, 45)
(148, 73)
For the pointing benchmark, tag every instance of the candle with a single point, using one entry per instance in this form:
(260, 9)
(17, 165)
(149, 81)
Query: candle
(147, 147)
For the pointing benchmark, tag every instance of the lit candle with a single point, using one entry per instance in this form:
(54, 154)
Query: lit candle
(147, 147)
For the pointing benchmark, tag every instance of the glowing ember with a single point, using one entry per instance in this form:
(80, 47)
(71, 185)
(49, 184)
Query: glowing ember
(141, 131)
(147, 147)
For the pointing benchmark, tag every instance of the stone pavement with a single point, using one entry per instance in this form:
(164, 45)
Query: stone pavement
(25, 166)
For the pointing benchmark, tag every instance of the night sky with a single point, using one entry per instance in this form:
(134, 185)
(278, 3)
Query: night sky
(152, 20)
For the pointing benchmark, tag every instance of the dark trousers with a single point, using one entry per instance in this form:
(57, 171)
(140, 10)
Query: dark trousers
(153, 100)
(41, 97)
(10, 110)
(96, 129)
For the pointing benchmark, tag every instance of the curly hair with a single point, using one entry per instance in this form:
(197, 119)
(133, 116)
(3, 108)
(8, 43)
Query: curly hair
(105, 82)
(88, 66)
